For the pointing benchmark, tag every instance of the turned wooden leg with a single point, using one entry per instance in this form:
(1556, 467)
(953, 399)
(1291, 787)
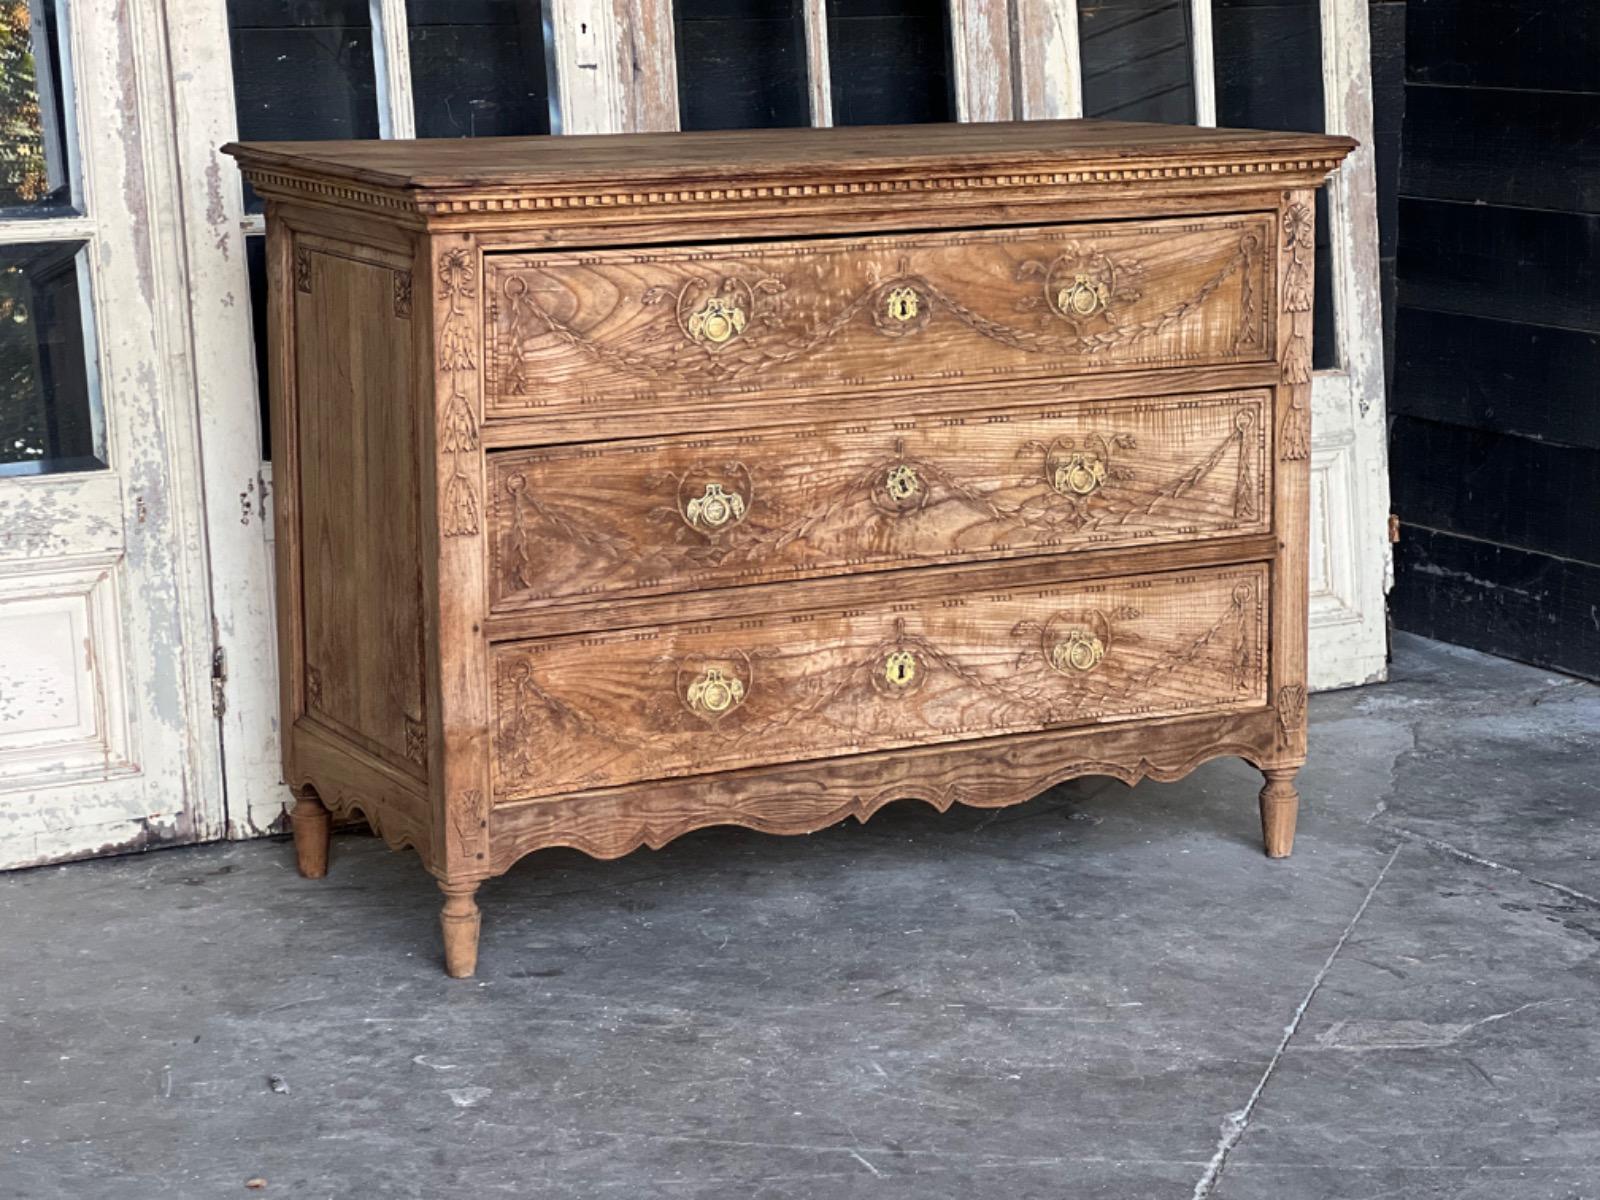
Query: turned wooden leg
(1280, 803)
(459, 920)
(312, 824)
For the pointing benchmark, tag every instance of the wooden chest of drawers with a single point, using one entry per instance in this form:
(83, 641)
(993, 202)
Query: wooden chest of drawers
(630, 485)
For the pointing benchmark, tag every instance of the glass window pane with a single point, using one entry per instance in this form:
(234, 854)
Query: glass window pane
(255, 258)
(38, 166)
(889, 61)
(478, 68)
(741, 64)
(1138, 60)
(50, 417)
(1269, 76)
(302, 69)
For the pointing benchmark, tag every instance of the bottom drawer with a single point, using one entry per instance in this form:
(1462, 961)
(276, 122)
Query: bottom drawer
(590, 711)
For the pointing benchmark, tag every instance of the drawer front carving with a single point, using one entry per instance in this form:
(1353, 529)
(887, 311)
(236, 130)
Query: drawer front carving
(683, 326)
(679, 514)
(589, 711)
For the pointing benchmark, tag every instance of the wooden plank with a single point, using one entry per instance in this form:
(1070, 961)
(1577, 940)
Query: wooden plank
(1350, 499)
(1205, 63)
(1388, 37)
(715, 157)
(1509, 490)
(1138, 59)
(1510, 264)
(615, 65)
(890, 61)
(649, 65)
(1504, 44)
(743, 65)
(980, 40)
(1048, 68)
(1528, 149)
(1499, 376)
(587, 85)
(391, 48)
(818, 75)
(478, 69)
(1498, 599)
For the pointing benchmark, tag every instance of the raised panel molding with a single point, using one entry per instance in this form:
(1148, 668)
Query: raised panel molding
(1335, 590)
(63, 711)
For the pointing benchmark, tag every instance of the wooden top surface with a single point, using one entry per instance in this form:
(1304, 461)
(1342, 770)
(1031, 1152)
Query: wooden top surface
(734, 156)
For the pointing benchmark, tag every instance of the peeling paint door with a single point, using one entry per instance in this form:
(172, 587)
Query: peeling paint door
(106, 736)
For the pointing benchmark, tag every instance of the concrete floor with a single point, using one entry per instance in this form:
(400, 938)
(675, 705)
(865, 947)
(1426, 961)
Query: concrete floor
(1096, 994)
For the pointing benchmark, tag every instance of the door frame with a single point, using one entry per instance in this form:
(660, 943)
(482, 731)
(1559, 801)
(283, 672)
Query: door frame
(614, 69)
(122, 549)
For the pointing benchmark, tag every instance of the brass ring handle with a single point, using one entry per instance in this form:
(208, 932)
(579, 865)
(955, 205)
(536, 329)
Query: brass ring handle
(714, 508)
(1083, 297)
(720, 319)
(714, 693)
(1079, 651)
(1079, 473)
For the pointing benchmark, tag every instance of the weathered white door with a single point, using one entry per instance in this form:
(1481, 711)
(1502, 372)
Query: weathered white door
(106, 736)
(437, 68)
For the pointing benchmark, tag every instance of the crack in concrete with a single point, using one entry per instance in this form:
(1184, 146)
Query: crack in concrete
(1235, 1124)
(1479, 860)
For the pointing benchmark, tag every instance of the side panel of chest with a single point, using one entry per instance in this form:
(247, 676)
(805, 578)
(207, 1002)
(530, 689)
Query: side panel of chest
(358, 533)
(676, 327)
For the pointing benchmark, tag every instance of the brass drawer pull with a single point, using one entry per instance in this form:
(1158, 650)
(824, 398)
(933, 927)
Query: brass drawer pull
(714, 693)
(714, 508)
(1075, 645)
(1078, 473)
(1084, 296)
(1078, 650)
(719, 320)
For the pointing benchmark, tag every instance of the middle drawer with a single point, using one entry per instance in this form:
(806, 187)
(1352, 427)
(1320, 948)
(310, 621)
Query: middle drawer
(687, 513)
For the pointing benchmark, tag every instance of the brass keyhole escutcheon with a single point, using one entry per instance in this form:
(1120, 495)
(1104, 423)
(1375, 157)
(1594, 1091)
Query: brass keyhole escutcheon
(715, 692)
(1079, 651)
(714, 508)
(718, 320)
(902, 482)
(900, 668)
(903, 303)
(1079, 474)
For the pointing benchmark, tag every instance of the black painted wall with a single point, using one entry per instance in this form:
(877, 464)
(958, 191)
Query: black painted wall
(1387, 25)
(1495, 404)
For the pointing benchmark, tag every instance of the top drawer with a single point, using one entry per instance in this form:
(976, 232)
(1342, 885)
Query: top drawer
(683, 326)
